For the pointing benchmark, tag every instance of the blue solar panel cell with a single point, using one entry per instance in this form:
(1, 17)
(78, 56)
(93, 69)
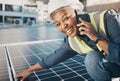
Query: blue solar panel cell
(78, 68)
(63, 71)
(81, 71)
(46, 75)
(54, 78)
(33, 79)
(67, 75)
(59, 68)
(75, 78)
(43, 71)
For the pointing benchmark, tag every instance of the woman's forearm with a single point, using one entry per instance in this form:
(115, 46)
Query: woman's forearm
(35, 67)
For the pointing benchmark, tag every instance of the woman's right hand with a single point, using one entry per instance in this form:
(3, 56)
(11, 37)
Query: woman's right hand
(23, 75)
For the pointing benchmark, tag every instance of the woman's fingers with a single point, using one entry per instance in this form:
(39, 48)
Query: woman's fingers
(84, 23)
(83, 31)
(82, 27)
(19, 75)
(23, 78)
(23, 75)
(86, 28)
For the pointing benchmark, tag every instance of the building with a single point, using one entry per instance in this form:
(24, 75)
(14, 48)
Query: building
(14, 12)
(42, 11)
(93, 5)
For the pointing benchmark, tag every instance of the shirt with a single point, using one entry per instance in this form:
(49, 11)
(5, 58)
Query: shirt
(112, 24)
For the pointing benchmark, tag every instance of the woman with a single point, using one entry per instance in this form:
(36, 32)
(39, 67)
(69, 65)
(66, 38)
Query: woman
(81, 37)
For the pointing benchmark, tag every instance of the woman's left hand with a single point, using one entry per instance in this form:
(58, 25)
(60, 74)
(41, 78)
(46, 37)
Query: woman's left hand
(86, 28)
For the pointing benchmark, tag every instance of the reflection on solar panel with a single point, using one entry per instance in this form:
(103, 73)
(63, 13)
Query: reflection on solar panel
(24, 56)
(29, 34)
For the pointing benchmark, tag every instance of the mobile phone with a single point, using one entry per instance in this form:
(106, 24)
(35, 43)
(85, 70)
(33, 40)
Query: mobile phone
(77, 18)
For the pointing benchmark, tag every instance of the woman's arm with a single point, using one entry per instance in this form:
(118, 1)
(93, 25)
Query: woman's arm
(60, 55)
(112, 46)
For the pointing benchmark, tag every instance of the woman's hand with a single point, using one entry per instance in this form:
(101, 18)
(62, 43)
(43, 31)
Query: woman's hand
(86, 28)
(23, 75)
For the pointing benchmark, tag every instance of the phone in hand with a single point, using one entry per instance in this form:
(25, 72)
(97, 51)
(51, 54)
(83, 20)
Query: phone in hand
(77, 18)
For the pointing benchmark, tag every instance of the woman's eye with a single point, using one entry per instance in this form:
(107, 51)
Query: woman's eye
(58, 24)
(66, 18)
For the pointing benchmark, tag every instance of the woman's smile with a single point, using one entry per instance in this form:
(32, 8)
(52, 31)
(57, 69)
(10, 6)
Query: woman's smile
(70, 30)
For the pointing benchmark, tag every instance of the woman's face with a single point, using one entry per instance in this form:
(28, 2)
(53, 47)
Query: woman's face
(65, 20)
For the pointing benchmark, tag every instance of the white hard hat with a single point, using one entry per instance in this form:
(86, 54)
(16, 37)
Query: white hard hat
(54, 5)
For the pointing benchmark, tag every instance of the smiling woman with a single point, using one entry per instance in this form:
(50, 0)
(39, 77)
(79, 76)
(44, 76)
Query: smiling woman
(65, 21)
(84, 37)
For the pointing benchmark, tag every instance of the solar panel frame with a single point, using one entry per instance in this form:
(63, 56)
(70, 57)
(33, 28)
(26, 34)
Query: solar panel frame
(4, 70)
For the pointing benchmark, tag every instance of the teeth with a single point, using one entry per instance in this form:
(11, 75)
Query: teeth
(69, 30)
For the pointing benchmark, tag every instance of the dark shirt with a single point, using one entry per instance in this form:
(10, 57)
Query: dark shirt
(112, 24)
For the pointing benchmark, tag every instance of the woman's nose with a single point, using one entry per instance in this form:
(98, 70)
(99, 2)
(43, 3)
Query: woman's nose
(64, 26)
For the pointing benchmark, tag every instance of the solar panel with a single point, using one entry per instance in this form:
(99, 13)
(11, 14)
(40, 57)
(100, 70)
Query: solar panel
(17, 35)
(4, 72)
(20, 49)
(24, 56)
